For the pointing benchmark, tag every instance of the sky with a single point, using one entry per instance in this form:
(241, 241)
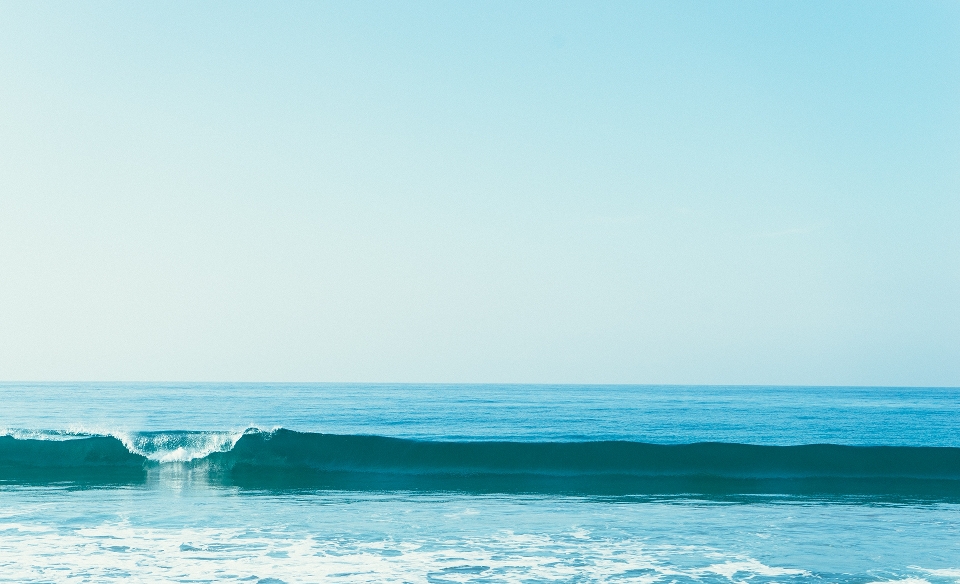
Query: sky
(539, 192)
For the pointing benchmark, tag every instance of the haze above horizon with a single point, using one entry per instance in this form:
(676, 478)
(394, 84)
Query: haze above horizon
(651, 193)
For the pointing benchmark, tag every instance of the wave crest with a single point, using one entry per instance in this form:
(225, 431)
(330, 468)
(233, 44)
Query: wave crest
(166, 447)
(287, 459)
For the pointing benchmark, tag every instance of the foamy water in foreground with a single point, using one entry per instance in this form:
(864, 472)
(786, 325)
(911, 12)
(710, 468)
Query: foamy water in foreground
(187, 533)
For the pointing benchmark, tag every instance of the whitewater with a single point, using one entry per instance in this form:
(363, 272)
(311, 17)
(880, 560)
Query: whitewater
(477, 483)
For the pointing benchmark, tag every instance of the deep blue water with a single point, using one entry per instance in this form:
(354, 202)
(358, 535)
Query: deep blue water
(476, 483)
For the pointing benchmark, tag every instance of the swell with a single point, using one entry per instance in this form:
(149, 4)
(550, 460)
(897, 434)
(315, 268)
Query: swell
(91, 460)
(286, 459)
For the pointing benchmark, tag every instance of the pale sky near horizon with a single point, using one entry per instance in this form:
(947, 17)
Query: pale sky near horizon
(638, 192)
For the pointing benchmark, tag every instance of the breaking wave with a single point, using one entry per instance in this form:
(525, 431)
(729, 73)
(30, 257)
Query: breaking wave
(286, 459)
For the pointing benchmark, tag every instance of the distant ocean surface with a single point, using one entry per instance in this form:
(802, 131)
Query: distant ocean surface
(269, 483)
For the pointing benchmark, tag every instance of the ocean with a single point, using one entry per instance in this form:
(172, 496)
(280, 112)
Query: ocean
(297, 483)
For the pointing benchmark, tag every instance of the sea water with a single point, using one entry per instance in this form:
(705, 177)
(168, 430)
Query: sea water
(477, 483)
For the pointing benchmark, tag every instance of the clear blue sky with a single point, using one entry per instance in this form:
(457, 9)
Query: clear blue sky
(676, 192)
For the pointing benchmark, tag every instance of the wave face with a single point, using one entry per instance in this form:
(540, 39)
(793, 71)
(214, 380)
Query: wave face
(285, 459)
(96, 460)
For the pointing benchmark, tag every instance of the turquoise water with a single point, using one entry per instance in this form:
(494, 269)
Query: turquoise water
(400, 483)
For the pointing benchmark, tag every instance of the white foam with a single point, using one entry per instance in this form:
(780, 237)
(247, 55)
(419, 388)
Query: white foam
(729, 569)
(163, 447)
(117, 551)
(55, 435)
(167, 447)
(941, 573)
